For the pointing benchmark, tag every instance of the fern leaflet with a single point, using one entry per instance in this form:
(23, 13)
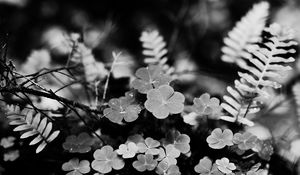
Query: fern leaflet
(246, 33)
(268, 64)
(155, 50)
(31, 124)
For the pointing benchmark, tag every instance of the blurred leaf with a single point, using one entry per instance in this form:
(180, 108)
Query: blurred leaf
(80, 144)
(206, 106)
(245, 141)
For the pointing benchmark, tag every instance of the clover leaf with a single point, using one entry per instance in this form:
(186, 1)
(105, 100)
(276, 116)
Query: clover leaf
(171, 153)
(122, 108)
(173, 170)
(182, 142)
(127, 150)
(11, 155)
(244, 141)
(80, 144)
(149, 146)
(144, 162)
(164, 101)
(163, 169)
(136, 138)
(219, 139)
(7, 142)
(264, 149)
(206, 106)
(161, 154)
(149, 78)
(106, 159)
(205, 167)
(225, 166)
(75, 167)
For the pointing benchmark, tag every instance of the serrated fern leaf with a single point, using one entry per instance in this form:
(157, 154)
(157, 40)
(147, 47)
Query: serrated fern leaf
(246, 33)
(155, 49)
(268, 64)
(237, 105)
(31, 124)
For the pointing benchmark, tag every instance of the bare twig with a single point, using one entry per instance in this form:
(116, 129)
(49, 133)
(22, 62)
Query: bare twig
(115, 57)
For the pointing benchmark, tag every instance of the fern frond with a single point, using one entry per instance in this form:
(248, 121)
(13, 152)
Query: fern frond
(92, 68)
(246, 33)
(268, 64)
(237, 105)
(296, 92)
(155, 49)
(31, 124)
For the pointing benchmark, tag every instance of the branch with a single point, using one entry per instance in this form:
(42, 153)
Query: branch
(49, 94)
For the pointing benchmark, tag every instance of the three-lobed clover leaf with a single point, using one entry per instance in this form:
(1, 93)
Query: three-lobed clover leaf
(225, 166)
(76, 167)
(171, 153)
(106, 159)
(80, 144)
(122, 108)
(182, 142)
(164, 101)
(127, 150)
(149, 78)
(206, 106)
(206, 167)
(244, 141)
(164, 169)
(149, 146)
(144, 162)
(11, 155)
(7, 142)
(171, 170)
(218, 139)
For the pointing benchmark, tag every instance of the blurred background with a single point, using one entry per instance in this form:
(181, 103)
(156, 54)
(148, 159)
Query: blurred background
(193, 30)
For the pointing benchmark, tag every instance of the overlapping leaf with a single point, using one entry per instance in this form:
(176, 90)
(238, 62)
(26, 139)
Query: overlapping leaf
(219, 139)
(122, 108)
(164, 101)
(225, 166)
(149, 78)
(245, 141)
(128, 150)
(106, 159)
(246, 33)
(206, 106)
(206, 167)
(144, 162)
(76, 167)
(149, 146)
